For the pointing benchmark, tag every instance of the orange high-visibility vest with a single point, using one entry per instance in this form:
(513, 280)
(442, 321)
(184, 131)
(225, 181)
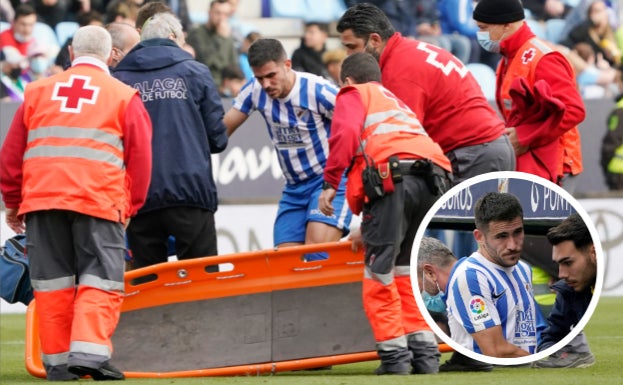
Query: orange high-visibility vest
(390, 128)
(570, 151)
(74, 159)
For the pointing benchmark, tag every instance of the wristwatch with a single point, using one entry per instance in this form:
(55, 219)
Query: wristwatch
(326, 185)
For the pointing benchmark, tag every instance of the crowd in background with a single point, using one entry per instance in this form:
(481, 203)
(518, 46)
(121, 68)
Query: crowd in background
(178, 68)
(36, 35)
(589, 32)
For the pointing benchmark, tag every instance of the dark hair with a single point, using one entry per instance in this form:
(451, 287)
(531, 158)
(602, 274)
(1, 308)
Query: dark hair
(124, 8)
(217, 2)
(584, 50)
(253, 36)
(589, 9)
(150, 9)
(324, 27)
(263, 51)
(496, 206)
(86, 18)
(364, 19)
(232, 72)
(361, 67)
(573, 229)
(24, 9)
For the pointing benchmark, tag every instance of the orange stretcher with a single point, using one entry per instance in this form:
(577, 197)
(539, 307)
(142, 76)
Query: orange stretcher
(249, 313)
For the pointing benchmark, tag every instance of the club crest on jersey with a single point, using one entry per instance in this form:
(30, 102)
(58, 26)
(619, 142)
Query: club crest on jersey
(528, 55)
(302, 114)
(478, 309)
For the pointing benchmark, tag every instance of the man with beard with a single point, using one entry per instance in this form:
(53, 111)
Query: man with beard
(298, 109)
(574, 252)
(213, 42)
(438, 87)
(491, 306)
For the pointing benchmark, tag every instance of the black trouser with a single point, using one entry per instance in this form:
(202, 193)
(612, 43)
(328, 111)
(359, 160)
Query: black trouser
(390, 223)
(192, 227)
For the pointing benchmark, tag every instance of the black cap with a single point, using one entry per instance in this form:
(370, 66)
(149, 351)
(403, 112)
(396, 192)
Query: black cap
(498, 11)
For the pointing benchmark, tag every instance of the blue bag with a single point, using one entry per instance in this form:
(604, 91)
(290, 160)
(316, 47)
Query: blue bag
(14, 279)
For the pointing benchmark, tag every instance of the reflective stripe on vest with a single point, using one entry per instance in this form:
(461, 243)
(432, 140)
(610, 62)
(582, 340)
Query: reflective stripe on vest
(45, 134)
(405, 121)
(74, 160)
(408, 122)
(615, 165)
(53, 284)
(403, 135)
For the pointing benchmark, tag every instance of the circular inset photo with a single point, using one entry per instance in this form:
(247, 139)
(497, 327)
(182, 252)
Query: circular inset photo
(509, 269)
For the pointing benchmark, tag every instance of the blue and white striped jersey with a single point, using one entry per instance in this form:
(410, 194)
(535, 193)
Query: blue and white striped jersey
(482, 294)
(299, 125)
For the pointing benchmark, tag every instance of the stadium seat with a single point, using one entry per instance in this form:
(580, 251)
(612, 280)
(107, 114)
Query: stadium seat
(572, 3)
(318, 10)
(278, 27)
(293, 8)
(553, 30)
(65, 30)
(485, 76)
(537, 28)
(45, 35)
(249, 9)
(199, 17)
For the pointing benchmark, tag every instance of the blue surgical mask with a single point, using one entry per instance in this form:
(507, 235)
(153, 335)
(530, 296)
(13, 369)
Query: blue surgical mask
(484, 39)
(39, 65)
(434, 303)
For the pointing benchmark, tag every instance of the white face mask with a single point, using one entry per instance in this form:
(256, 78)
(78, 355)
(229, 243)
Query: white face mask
(21, 38)
(484, 39)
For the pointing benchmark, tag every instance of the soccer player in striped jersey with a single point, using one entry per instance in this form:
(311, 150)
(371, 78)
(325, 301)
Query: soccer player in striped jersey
(491, 306)
(297, 108)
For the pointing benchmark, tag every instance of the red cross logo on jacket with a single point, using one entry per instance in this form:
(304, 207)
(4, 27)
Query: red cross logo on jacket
(75, 93)
(528, 55)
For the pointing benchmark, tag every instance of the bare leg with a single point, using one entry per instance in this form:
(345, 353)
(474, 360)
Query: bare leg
(318, 232)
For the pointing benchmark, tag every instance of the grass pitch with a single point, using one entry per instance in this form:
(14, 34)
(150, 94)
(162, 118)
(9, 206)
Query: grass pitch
(604, 332)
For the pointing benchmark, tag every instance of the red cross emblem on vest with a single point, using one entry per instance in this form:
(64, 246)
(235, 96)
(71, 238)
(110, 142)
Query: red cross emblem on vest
(75, 93)
(528, 55)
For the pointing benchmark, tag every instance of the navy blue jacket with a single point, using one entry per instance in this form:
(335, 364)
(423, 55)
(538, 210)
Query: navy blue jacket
(568, 310)
(187, 117)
